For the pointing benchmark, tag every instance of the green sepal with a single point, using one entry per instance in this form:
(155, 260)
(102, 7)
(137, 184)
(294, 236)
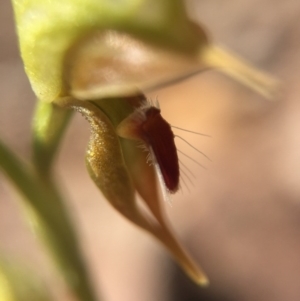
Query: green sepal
(47, 30)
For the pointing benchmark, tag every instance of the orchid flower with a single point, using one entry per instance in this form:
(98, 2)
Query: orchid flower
(99, 57)
(119, 166)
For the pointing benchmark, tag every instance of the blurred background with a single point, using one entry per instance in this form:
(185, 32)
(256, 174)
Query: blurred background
(240, 218)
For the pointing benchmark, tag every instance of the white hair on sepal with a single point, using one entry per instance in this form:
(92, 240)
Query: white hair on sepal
(145, 148)
(151, 160)
(138, 115)
(165, 192)
(157, 105)
(147, 104)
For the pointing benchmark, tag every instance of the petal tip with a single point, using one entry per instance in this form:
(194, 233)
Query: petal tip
(202, 281)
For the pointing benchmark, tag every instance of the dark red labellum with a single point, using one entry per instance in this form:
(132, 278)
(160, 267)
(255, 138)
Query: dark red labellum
(159, 136)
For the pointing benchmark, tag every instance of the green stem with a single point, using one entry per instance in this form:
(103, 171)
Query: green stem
(50, 220)
(49, 124)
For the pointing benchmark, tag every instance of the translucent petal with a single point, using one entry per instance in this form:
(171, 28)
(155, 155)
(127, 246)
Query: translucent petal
(111, 63)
